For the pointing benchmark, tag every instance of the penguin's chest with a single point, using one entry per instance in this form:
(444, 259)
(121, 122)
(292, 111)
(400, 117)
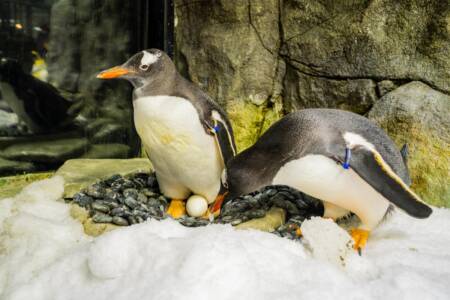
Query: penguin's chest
(173, 136)
(342, 190)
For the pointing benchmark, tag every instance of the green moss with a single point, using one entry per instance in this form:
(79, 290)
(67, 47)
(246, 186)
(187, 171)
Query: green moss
(249, 121)
(11, 185)
(428, 161)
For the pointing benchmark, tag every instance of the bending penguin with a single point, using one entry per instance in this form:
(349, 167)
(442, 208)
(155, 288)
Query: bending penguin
(336, 156)
(186, 135)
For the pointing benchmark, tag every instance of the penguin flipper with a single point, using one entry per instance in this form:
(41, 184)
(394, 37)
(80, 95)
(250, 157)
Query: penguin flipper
(224, 138)
(370, 165)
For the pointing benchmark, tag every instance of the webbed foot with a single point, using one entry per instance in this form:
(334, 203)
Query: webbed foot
(177, 208)
(360, 237)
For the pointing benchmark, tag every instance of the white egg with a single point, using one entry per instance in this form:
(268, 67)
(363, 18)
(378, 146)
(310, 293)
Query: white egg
(196, 206)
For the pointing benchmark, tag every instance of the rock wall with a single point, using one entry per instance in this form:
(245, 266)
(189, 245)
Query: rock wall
(312, 53)
(262, 59)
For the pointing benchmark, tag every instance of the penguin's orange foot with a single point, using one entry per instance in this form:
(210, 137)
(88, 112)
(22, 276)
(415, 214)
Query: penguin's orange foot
(360, 237)
(177, 208)
(217, 204)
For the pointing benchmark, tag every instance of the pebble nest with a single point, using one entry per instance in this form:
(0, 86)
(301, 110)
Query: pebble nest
(136, 198)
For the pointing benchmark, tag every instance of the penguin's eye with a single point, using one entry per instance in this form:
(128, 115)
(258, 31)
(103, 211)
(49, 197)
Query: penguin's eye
(144, 67)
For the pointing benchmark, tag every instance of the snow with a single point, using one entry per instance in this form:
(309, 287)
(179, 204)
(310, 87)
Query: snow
(44, 254)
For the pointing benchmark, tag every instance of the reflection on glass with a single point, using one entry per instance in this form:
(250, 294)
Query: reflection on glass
(51, 106)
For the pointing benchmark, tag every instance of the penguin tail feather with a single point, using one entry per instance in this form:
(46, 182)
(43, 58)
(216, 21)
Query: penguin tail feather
(370, 165)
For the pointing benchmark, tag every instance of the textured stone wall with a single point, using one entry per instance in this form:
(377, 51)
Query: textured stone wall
(323, 53)
(263, 59)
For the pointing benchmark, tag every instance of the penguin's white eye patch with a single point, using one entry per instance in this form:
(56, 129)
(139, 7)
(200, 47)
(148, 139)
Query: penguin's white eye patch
(149, 58)
(144, 67)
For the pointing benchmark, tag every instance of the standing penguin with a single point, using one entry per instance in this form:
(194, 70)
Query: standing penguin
(336, 156)
(186, 135)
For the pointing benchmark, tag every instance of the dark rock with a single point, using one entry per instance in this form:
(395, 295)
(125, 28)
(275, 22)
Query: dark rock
(152, 182)
(110, 133)
(131, 203)
(131, 192)
(112, 195)
(100, 207)
(52, 151)
(113, 178)
(96, 190)
(8, 167)
(132, 220)
(119, 211)
(259, 213)
(82, 199)
(120, 221)
(142, 198)
(101, 218)
(107, 151)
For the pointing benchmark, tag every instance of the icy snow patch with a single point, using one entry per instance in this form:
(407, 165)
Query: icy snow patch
(326, 240)
(35, 231)
(45, 255)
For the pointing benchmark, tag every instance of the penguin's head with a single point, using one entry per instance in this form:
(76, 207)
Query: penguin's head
(141, 68)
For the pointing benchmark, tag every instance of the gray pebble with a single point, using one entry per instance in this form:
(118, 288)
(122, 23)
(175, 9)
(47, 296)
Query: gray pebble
(101, 218)
(236, 222)
(132, 220)
(152, 202)
(149, 193)
(112, 195)
(259, 213)
(119, 211)
(96, 191)
(133, 193)
(142, 198)
(227, 219)
(130, 202)
(100, 207)
(151, 181)
(82, 199)
(120, 221)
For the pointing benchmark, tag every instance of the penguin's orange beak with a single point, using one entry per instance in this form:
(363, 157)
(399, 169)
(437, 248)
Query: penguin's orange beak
(113, 73)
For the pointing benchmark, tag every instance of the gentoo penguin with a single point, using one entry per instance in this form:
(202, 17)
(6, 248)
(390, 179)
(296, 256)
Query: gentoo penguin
(339, 157)
(186, 135)
(35, 102)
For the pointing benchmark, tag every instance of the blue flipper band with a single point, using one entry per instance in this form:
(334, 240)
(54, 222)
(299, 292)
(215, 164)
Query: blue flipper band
(348, 155)
(216, 128)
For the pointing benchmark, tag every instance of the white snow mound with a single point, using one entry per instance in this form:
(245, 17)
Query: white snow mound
(44, 254)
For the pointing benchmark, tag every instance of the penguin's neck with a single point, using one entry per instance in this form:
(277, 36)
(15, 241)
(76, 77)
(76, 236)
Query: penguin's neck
(157, 85)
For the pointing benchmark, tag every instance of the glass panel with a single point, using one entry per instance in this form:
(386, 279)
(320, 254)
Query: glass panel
(52, 108)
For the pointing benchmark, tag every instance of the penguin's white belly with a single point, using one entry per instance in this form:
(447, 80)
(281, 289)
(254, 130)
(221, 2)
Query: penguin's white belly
(186, 159)
(323, 178)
